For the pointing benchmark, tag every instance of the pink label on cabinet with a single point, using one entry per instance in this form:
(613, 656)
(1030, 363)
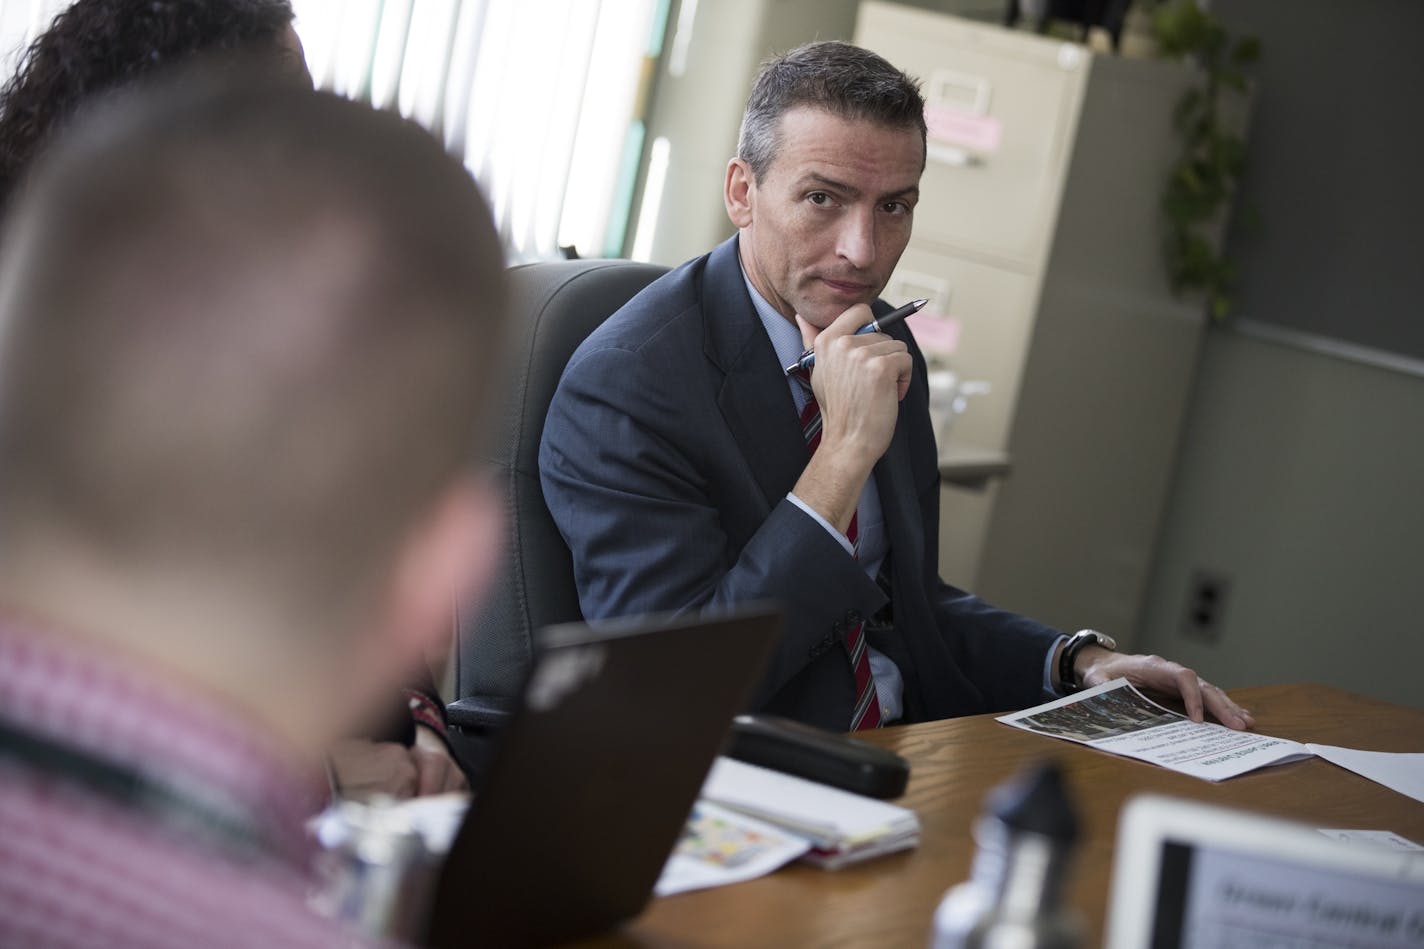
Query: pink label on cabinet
(977, 133)
(935, 332)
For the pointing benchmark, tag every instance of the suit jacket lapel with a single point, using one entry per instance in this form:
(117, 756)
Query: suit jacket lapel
(754, 398)
(895, 484)
(897, 495)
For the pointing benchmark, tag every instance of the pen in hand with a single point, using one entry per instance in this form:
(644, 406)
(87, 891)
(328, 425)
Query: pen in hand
(808, 358)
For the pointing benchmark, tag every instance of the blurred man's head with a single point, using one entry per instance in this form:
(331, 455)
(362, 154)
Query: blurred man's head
(826, 177)
(96, 46)
(244, 337)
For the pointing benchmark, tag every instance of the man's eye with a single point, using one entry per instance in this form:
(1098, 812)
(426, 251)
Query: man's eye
(895, 207)
(819, 198)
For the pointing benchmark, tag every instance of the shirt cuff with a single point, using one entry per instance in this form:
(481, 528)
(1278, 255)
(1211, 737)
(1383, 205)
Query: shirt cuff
(425, 711)
(845, 541)
(1048, 687)
(1048, 669)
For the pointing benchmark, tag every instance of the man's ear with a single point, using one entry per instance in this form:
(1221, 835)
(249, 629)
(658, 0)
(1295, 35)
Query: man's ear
(450, 557)
(739, 192)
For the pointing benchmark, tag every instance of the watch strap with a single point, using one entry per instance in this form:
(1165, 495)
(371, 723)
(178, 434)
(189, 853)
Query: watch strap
(1067, 674)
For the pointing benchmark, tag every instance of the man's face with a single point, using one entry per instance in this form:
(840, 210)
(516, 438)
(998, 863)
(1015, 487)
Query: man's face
(826, 225)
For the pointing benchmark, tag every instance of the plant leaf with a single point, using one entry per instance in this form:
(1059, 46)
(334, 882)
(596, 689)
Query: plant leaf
(1247, 51)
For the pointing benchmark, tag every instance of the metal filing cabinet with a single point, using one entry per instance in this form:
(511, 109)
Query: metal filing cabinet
(1038, 233)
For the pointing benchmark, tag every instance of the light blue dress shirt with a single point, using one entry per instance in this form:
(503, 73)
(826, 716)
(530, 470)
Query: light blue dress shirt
(870, 523)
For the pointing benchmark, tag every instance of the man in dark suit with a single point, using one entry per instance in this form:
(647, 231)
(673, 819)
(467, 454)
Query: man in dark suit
(687, 469)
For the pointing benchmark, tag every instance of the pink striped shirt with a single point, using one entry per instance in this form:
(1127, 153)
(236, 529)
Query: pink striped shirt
(216, 856)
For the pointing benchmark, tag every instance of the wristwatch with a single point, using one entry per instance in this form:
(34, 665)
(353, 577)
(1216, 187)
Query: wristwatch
(1083, 637)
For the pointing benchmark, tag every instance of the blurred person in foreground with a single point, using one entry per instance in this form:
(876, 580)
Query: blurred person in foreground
(244, 330)
(94, 47)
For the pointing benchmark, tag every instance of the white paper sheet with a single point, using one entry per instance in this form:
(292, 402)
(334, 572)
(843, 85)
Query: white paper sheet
(1116, 718)
(1387, 839)
(1398, 771)
(833, 819)
(721, 846)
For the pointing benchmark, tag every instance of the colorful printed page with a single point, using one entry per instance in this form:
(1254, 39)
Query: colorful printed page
(719, 846)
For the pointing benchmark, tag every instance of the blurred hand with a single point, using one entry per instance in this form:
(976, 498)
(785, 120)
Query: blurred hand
(438, 771)
(364, 768)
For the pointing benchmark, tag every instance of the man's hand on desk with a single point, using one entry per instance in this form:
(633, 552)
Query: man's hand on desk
(362, 768)
(437, 770)
(1096, 665)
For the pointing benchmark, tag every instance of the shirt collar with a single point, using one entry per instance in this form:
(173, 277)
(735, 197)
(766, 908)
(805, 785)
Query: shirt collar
(56, 688)
(785, 335)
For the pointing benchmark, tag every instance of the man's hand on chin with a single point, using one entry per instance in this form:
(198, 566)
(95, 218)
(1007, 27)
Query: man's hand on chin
(858, 382)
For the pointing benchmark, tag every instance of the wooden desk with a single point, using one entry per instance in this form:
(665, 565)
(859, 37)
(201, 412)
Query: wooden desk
(890, 901)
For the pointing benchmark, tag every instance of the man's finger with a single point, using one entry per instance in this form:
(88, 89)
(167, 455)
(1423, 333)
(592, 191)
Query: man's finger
(1189, 687)
(455, 779)
(877, 344)
(1226, 711)
(363, 768)
(906, 373)
(432, 769)
(851, 321)
(438, 772)
(808, 333)
(847, 324)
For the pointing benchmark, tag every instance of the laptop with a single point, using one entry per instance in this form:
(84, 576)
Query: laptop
(595, 776)
(1196, 876)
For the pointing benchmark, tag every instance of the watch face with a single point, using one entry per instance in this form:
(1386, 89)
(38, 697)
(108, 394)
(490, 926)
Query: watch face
(1102, 639)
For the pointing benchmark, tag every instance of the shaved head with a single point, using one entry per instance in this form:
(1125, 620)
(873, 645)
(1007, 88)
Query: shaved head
(245, 331)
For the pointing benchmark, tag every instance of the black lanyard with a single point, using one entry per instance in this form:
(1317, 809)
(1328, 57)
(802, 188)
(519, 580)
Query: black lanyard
(180, 810)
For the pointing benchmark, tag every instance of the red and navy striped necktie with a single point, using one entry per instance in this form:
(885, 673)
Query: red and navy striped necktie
(866, 713)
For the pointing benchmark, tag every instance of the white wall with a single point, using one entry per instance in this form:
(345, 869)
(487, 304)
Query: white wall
(1300, 479)
(1302, 475)
(698, 101)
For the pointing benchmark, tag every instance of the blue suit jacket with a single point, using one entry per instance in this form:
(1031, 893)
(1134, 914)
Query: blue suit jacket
(667, 455)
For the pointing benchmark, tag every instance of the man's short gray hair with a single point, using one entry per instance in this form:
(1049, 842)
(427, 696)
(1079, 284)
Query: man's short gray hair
(840, 78)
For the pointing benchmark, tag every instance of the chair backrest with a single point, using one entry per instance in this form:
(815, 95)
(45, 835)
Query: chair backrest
(554, 307)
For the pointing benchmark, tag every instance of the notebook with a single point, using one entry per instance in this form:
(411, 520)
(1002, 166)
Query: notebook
(596, 775)
(843, 828)
(1195, 876)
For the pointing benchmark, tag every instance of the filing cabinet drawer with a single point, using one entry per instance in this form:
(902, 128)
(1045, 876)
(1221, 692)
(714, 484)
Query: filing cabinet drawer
(993, 307)
(1006, 105)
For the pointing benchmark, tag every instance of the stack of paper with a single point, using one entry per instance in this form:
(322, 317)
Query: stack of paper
(1116, 718)
(719, 846)
(842, 827)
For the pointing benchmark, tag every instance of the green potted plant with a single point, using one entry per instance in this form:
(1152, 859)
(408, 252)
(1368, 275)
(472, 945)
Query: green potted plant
(1205, 177)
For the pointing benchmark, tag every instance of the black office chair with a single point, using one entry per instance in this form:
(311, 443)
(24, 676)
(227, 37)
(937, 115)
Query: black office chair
(554, 306)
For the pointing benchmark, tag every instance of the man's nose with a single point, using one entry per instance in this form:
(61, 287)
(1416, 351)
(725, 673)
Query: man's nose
(856, 240)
